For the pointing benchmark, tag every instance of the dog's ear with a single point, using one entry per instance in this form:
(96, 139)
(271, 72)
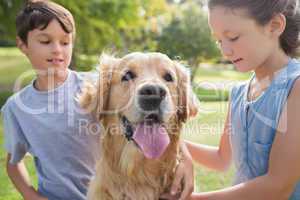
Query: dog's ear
(87, 96)
(187, 100)
(106, 69)
(94, 98)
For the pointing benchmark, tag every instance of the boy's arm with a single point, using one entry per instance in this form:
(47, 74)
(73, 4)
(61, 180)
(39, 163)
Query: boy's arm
(20, 178)
(218, 158)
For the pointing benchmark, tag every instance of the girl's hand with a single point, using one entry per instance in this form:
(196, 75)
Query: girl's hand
(184, 176)
(183, 184)
(196, 196)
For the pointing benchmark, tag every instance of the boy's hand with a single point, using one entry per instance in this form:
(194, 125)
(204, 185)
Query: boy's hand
(35, 196)
(39, 198)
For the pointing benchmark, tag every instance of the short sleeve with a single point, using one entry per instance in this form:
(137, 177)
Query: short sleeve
(15, 142)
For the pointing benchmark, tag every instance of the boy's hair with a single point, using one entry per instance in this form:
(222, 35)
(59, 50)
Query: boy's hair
(262, 12)
(38, 14)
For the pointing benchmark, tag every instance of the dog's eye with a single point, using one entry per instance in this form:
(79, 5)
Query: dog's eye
(128, 76)
(168, 77)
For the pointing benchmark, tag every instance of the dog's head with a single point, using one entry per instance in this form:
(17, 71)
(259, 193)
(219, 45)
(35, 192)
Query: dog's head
(144, 92)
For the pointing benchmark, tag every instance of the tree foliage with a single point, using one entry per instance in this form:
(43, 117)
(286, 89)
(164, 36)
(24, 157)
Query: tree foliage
(8, 11)
(129, 25)
(188, 37)
(113, 25)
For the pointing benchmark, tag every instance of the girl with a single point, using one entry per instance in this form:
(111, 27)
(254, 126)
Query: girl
(262, 131)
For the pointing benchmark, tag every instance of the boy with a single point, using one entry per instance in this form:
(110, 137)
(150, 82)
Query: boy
(45, 120)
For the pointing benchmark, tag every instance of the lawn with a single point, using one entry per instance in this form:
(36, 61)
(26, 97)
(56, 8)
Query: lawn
(206, 128)
(14, 65)
(8, 192)
(212, 73)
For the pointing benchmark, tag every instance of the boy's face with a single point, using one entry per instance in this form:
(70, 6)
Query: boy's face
(48, 49)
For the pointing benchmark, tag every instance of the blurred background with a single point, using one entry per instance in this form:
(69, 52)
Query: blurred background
(177, 28)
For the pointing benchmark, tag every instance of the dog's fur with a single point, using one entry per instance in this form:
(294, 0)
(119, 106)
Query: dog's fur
(123, 172)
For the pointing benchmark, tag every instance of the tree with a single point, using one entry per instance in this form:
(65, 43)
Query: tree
(8, 12)
(119, 25)
(188, 37)
(116, 25)
(129, 25)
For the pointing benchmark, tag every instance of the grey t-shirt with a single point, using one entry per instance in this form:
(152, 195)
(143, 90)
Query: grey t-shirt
(63, 140)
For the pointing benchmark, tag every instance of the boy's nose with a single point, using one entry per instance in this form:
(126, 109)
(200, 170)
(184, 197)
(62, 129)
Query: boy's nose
(56, 47)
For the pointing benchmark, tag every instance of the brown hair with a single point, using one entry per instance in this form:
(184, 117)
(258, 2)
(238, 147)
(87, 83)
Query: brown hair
(38, 14)
(262, 12)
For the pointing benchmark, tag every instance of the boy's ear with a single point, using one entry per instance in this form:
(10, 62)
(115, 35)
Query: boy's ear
(277, 24)
(21, 45)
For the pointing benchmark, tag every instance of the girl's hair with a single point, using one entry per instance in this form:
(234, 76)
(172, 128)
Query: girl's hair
(38, 14)
(262, 12)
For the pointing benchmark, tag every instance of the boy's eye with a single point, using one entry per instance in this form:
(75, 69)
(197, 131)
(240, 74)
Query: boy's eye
(65, 43)
(45, 42)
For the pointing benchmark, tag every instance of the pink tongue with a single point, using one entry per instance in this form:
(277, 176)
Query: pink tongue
(152, 139)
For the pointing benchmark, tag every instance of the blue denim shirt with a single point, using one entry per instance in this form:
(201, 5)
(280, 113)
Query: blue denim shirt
(254, 124)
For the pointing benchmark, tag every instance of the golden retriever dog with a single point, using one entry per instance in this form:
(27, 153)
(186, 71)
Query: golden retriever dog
(142, 101)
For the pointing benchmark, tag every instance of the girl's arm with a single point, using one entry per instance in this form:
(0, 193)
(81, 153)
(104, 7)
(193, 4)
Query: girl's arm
(218, 158)
(20, 178)
(284, 163)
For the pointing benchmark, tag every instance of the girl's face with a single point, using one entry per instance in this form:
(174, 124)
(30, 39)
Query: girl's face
(245, 43)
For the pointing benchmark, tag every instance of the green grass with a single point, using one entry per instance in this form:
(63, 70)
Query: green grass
(211, 72)
(15, 70)
(8, 192)
(206, 129)
(14, 66)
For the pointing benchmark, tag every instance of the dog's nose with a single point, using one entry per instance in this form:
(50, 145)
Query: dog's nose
(150, 97)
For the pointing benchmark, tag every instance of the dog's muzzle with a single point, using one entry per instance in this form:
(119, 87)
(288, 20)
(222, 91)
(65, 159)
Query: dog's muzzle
(149, 135)
(150, 97)
(129, 128)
